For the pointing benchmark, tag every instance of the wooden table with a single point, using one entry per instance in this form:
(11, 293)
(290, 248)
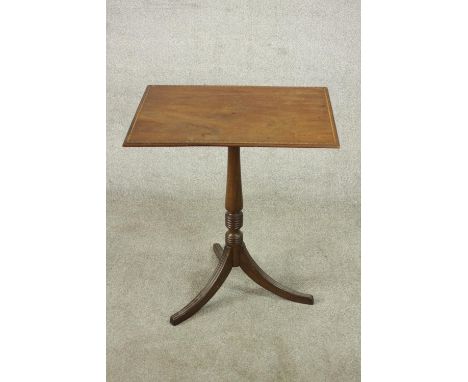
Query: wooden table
(234, 116)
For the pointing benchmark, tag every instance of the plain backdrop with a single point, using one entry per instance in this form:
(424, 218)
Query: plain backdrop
(52, 272)
(166, 205)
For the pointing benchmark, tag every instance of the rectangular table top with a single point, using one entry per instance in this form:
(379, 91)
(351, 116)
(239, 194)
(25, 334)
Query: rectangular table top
(260, 116)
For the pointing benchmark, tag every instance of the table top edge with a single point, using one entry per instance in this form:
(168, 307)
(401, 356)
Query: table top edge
(333, 145)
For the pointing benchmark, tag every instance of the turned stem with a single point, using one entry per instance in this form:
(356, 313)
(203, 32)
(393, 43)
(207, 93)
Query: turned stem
(234, 204)
(234, 183)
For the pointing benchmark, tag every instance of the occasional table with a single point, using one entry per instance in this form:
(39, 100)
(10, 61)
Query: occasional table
(234, 117)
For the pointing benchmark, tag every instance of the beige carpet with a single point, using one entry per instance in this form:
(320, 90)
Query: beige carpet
(166, 206)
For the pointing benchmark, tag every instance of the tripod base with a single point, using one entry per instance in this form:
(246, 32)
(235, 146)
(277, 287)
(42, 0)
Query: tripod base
(234, 253)
(227, 260)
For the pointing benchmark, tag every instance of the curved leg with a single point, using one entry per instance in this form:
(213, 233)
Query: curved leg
(251, 268)
(218, 250)
(216, 280)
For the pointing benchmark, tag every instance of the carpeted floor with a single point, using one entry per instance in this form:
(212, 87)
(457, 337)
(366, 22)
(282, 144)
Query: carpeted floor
(166, 205)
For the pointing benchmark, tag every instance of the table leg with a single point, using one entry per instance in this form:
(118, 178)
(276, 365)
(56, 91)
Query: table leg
(251, 268)
(218, 250)
(235, 253)
(217, 279)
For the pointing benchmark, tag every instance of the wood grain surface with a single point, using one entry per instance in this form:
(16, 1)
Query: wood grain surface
(258, 116)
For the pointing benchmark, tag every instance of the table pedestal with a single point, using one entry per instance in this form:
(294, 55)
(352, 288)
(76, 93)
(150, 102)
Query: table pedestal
(234, 253)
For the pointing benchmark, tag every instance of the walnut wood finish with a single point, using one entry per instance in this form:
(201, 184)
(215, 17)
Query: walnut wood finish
(262, 116)
(235, 252)
(217, 279)
(234, 116)
(251, 268)
(233, 204)
(218, 250)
